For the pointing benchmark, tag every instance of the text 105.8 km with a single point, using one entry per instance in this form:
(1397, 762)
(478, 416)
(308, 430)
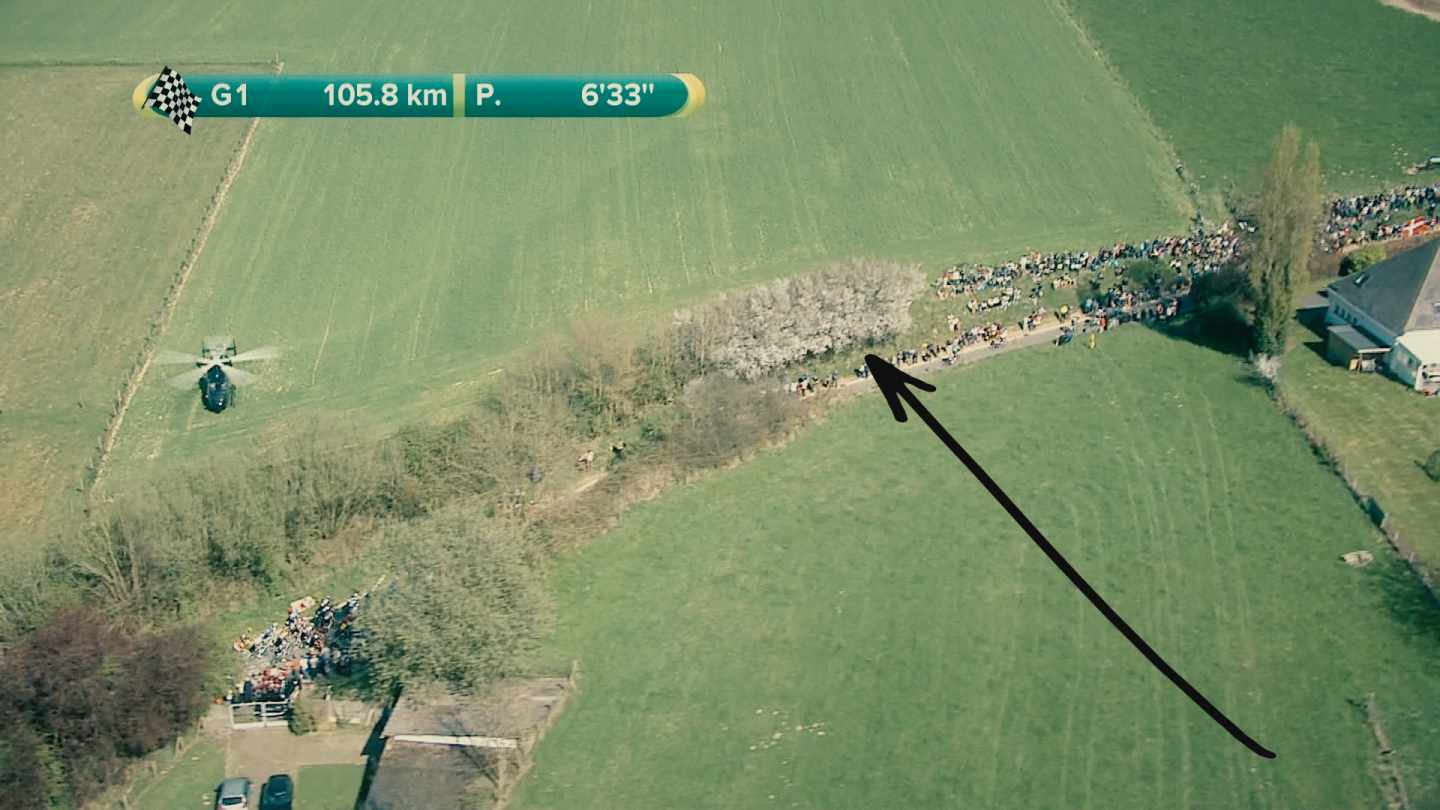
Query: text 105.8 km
(364, 94)
(615, 94)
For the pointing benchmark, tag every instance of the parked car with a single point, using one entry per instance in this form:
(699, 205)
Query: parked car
(234, 794)
(278, 793)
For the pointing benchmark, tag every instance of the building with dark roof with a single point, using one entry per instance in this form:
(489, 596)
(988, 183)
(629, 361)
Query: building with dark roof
(1390, 314)
(444, 752)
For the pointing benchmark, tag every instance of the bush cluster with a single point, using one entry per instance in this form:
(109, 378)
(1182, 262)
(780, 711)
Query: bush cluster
(207, 530)
(468, 606)
(790, 320)
(79, 695)
(1362, 258)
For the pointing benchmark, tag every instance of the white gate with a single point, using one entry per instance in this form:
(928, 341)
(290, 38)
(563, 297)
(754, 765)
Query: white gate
(260, 714)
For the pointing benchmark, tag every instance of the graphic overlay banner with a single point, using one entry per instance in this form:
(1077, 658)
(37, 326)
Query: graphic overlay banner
(434, 95)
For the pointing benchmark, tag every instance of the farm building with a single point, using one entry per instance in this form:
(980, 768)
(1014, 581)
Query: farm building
(1349, 347)
(1388, 316)
(443, 751)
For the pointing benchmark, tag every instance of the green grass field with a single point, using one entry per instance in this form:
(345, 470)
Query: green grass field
(328, 787)
(94, 222)
(394, 259)
(1221, 79)
(862, 581)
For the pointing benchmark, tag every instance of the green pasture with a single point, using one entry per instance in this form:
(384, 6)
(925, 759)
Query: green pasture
(98, 209)
(328, 787)
(1221, 77)
(859, 583)
(396, 262)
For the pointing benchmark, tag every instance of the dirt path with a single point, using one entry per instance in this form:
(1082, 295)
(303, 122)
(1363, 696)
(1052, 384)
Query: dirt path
(1045, 333)
(588, 482)
(1425, 8)
(261, 752)
(172, 299)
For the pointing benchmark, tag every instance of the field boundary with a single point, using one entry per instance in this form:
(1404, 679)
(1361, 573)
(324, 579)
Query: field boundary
(1393, 781)
(506, 789)
(145, 773)
(1190, 191)
(1367, 503)
(161, 321)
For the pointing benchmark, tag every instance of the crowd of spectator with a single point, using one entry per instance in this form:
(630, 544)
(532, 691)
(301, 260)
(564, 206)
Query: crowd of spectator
(1372, 217)
(302, 648)
(988, 287)
(997, 287)
(804, 385)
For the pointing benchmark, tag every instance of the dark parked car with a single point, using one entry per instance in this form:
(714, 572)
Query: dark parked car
(278, 793)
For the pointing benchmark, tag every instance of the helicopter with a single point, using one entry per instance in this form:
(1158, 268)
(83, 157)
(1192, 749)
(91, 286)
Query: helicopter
(214, 370)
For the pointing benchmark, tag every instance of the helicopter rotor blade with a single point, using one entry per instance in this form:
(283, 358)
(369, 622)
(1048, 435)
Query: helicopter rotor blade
(169, 358)
(262, 353)
(239, 377)
(188, 378)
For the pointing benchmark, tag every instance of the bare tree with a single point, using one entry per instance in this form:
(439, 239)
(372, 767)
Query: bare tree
(754, 332)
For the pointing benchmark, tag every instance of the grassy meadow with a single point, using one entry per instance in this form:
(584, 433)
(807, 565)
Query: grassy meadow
(328, 787)
(1221, 77)
(394, 259)
(861, 584)
(97, 214)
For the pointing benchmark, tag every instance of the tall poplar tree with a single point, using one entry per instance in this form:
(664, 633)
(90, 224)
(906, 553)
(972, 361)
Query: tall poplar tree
(1287, 216)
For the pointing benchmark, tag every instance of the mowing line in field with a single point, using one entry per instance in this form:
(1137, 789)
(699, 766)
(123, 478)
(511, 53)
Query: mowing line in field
(329, 321)
(1236, 588)
(172, 300)
(895, 385)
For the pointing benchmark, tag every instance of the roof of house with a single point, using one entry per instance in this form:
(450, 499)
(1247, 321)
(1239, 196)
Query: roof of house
(1401, 293)
(1354, 338)
(509, 709)
(429, 776)
(1423, 344)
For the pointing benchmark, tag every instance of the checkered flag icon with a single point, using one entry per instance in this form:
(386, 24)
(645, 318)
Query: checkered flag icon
(172, 97)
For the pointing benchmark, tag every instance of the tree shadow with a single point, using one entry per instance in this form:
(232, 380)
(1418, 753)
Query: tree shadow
(1313, 319)
(374, 748)
(1220, 327)
(1410, 603)
(1318, 347)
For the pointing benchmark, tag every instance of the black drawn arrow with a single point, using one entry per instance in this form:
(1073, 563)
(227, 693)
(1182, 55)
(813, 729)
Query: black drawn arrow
(895, 385)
